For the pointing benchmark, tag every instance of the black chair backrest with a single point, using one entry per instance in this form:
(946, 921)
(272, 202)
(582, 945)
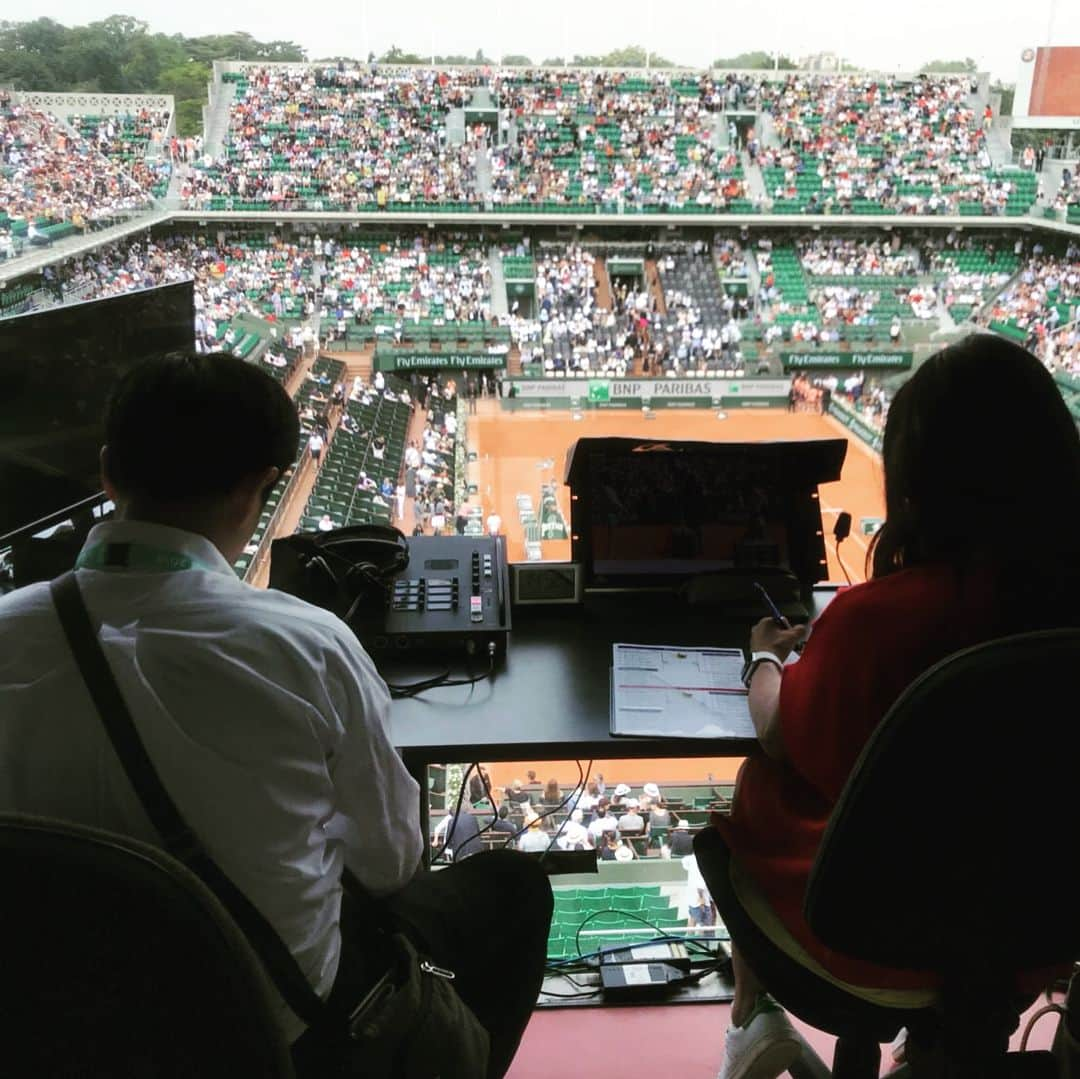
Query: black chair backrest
(956, 835)
(118, 962)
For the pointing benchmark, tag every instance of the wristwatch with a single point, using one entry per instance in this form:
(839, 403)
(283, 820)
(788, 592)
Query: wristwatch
(756, 660)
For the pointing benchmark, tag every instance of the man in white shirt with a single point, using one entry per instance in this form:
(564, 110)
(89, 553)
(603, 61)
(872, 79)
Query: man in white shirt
(601, 823)
(494, 523)
(265, 719)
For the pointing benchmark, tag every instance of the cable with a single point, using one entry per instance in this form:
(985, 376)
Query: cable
(457, 811)
(399, 692)
(847, 576)
(571, 996)
(661, 935)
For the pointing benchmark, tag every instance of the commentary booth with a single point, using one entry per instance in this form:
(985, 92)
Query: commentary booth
(667, 540)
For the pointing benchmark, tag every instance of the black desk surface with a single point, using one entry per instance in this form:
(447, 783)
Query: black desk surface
(550, 698)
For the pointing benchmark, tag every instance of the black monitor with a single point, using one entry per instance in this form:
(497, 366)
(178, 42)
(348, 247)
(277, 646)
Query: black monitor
(56, 370)
(649, 512)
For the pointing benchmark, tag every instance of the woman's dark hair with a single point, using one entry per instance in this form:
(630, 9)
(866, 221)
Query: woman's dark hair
(982, 458)
(552, 792)
(188, 426)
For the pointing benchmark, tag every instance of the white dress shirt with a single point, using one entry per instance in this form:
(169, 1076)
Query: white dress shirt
(264, 717)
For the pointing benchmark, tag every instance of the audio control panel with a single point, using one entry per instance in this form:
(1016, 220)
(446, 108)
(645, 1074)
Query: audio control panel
(455, 590)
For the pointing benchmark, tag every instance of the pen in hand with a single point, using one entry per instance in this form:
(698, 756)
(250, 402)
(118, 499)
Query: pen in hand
(778, 617)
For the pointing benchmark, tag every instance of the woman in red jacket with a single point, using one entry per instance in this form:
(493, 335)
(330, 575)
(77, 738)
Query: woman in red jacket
(981, 540)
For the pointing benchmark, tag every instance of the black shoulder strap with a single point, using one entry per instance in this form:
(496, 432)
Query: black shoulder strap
(176, 836)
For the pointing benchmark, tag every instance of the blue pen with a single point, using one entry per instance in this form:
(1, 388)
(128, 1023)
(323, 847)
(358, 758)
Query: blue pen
(778, 618)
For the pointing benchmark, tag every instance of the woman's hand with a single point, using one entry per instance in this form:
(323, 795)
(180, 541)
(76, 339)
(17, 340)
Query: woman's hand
(767, 636)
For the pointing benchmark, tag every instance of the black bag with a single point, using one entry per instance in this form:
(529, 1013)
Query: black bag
(411, 1025)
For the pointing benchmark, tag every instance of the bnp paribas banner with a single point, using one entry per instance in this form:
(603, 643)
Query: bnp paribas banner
(820, 359)
(628, 393)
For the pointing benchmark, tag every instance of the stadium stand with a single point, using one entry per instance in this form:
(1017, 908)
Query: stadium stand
(864, 289)
(869, 145)
(971, 275)
(53, 183)
(1042, 298)
(702, 330)
(784, 296)
(128, 140)
(348, 487)
(338, 138)
(615, 141)
(433, 463)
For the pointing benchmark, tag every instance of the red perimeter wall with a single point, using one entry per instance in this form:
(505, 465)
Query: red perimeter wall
(1055, 87)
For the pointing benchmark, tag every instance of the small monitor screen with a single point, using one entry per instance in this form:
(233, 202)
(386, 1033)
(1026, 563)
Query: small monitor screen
(674, 514)
(57, 368)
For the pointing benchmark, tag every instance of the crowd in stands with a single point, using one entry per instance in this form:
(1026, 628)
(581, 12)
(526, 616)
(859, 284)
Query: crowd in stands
(1068, 192)
(338, 138)
(128, 140)
(1044, 299)
(917, 147)
(840, 256)
(685, 326)
(351, 137)
(429, 465)
(271, 282)
(404, 279)
(612, 820)
(702, 329)
(572, 333)
(52, 177)
(970, 272)
(614, 139)
(385, 286)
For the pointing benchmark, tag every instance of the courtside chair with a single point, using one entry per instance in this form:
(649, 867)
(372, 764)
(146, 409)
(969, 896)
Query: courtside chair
(924, 867)
(118, 962)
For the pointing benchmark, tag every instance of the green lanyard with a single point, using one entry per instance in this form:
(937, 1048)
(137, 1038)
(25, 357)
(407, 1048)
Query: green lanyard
(136, 556)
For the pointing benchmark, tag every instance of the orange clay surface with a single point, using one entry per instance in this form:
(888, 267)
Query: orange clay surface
(518, 451)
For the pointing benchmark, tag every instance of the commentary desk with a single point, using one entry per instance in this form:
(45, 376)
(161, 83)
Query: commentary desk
(550, 697)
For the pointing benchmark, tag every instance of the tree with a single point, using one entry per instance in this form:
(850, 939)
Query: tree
(517, 60)
(756, 61)
(394, 55)
(953, 67)
(632, 56)
(120, 55)
(189, 117)
(554, 61)
(1008, 93)
(186, 82)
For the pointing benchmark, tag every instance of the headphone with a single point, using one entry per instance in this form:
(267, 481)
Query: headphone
(341, 569)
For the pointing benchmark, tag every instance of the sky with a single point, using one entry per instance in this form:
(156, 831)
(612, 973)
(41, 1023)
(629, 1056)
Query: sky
(690, 32)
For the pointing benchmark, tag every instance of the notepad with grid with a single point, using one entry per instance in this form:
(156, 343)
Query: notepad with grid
(672, 691)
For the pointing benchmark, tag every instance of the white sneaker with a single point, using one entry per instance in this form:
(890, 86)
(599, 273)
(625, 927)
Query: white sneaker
(764, 1049)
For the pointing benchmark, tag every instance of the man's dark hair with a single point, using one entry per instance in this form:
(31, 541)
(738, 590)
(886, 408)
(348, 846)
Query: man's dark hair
(504, 811)
(188, 426)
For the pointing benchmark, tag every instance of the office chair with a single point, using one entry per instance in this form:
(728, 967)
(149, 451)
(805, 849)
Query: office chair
(951, 851)
(118, 962)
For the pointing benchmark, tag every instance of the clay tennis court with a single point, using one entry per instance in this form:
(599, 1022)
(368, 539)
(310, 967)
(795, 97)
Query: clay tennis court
(519, 451)
(516, 452)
